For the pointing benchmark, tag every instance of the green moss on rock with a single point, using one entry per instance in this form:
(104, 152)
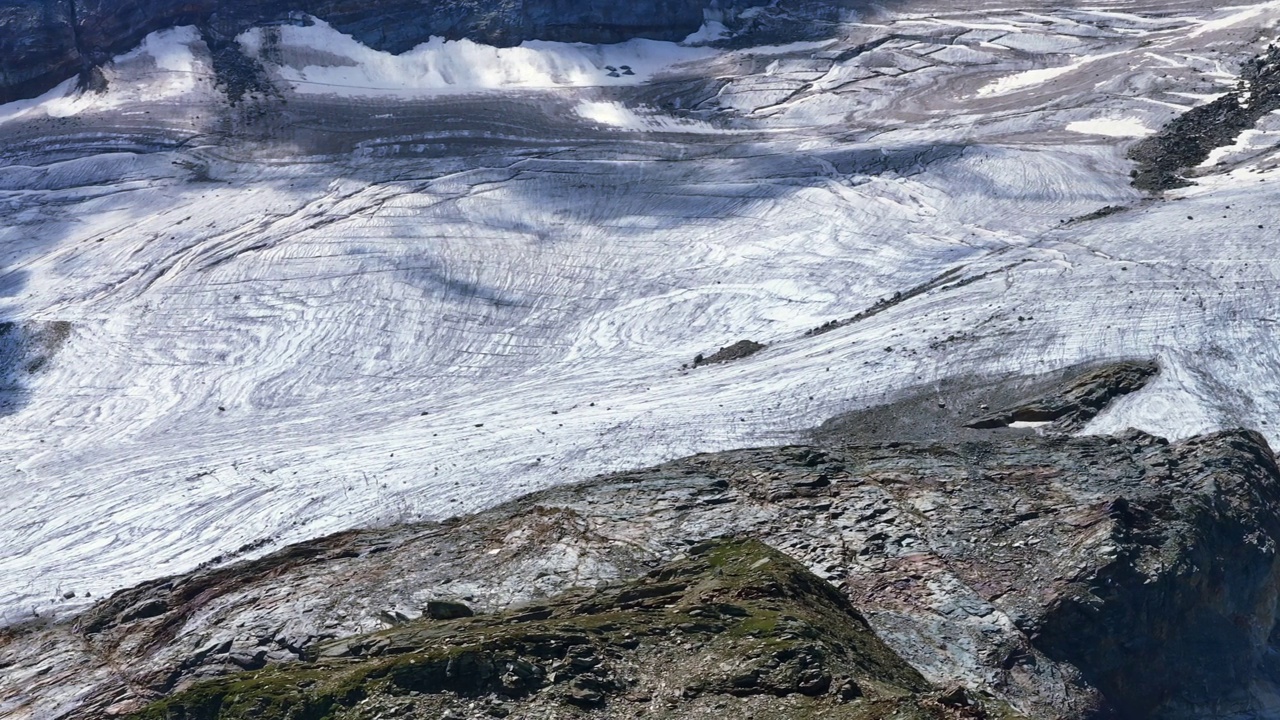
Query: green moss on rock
(733, 622)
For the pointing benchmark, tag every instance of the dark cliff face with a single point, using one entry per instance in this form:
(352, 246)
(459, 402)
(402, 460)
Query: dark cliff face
(37, 46)
(1195, 569)
(43, 42)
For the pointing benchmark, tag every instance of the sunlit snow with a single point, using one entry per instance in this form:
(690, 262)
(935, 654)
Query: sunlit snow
(1111, 127)
(318, 59)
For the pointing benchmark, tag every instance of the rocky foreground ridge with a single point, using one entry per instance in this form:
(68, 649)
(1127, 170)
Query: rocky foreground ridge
(733, 623)
(967, 569)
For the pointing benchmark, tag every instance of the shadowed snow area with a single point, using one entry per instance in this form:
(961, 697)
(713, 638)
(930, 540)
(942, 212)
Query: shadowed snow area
(407, 287)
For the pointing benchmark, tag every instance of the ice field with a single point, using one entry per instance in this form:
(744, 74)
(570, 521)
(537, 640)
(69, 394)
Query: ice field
(409, 287)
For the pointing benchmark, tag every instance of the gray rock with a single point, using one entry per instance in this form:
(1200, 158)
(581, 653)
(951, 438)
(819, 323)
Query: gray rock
(586, 690)
(447, 610)
(249, 659)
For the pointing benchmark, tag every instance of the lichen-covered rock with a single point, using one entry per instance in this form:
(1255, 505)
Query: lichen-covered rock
(733, 624)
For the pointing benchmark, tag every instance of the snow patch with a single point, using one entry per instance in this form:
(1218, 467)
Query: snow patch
(1032, 78)
(319, 59)
(1111, 127)
(710, 32)
(1264, 136)
(615, 114)
(1029, 78)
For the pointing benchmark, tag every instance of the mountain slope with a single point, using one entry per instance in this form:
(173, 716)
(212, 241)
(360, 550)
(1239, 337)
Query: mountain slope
(402, 288)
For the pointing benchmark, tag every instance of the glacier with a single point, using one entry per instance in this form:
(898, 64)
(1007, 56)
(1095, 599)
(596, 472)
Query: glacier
(407, 287)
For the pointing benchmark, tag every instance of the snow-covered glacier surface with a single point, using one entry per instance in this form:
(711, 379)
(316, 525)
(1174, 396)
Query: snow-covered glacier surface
(406, 287)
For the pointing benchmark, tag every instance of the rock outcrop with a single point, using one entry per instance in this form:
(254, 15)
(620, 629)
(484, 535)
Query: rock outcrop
(729, 353)
(1077, 403)
(1164, 158)
(732, 625)
(1067, 577)
(38, 47)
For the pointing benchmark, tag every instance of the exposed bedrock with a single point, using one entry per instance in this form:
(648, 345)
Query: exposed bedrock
(753, 628)
(1168, 158)
(43, 42)
(1067, 577)
(1183, 613)
(1075, 404)
(38, 47)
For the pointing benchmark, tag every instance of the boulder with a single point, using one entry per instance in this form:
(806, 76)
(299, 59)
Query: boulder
(447, 610)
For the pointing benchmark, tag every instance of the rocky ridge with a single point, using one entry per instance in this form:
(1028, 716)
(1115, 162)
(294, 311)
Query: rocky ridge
(1030, 566)
(1078, 402)
(1167, 159)
(733, 624)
